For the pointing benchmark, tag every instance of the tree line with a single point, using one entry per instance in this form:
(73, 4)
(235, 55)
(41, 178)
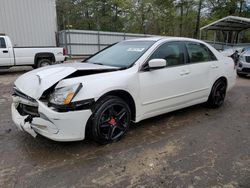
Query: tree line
(158, 17)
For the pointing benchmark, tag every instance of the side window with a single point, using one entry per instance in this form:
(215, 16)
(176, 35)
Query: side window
(199, 53)
(172, 52)
(2, 43)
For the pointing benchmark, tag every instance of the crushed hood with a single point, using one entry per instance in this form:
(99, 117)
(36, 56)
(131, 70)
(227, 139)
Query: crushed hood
(35, 82)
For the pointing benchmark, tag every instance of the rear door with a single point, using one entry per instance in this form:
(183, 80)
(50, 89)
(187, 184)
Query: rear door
(5, 59)
(202, 64)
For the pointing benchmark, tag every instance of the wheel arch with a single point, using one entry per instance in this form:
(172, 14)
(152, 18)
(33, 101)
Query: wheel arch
(216, 80)
(127, 97)
(44, 55)
(221, 78)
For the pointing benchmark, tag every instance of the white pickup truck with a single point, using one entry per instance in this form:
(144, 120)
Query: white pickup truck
(35, 57)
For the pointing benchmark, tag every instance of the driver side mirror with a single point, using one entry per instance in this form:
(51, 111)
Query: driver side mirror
(157, 63)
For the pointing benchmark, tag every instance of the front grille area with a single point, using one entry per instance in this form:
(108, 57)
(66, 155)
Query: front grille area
(25, 110)
(248, 59)
(246, 70)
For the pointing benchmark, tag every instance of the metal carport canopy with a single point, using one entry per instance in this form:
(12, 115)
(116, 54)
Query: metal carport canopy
(230, 23)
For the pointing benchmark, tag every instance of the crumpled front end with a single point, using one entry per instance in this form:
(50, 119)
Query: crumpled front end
(34, 116)
(41, 104)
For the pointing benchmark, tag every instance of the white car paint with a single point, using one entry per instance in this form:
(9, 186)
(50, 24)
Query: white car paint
(10, 56)
(154, 92)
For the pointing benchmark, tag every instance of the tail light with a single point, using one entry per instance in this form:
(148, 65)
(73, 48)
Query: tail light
(65, 51)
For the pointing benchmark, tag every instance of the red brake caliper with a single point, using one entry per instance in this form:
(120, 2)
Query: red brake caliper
(112, 121)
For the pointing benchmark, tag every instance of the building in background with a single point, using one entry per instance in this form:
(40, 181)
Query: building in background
(29, 23)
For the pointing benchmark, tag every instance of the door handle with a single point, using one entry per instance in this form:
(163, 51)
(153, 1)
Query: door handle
(5, 51)
(184, 72)
(214, 66)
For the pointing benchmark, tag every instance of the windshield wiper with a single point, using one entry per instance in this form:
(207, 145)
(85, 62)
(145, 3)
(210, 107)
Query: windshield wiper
(98, 63)
(122, 68)
(109, 65)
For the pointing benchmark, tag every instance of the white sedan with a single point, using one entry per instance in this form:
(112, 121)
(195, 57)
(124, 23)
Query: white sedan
(128, 81)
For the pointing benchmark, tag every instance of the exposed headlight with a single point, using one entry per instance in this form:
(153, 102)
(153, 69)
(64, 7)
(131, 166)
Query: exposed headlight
(64, 95)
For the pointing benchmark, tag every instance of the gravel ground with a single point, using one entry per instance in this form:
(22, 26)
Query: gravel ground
(195, 148)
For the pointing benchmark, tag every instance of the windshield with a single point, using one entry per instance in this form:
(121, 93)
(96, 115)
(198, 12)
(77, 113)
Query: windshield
(123, 54)
(247, 49)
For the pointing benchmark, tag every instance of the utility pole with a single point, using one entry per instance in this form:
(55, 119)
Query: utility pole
(198, 20)
(181, 20)
(241, 7)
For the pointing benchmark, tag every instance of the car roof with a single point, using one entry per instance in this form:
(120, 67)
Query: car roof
(158, 38)
(146, 39)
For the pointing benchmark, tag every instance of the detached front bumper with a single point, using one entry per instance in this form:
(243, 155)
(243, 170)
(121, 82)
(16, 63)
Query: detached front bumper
(66, 126)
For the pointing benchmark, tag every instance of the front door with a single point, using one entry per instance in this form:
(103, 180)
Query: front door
(165, 89)
(4, 53)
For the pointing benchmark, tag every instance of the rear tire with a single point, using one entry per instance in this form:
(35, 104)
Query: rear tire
(110, 120)
(43, 63)
(218, 94)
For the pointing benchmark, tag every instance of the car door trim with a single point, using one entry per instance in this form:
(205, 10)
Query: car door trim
(175, 96)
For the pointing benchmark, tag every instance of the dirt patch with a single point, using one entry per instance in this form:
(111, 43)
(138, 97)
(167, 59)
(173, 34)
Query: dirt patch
(147, 162)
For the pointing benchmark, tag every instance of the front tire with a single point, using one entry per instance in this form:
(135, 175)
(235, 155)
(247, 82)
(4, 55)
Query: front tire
(110, 120)
(218, 94)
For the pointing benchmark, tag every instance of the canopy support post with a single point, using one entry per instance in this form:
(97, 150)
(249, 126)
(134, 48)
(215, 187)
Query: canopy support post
(214, 37)
(227, 38)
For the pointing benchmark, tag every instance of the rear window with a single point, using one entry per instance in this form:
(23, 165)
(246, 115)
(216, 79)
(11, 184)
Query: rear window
(199, 53)
(2, 43)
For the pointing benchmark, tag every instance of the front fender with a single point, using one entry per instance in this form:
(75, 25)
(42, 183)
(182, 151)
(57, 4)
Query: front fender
(95, 86)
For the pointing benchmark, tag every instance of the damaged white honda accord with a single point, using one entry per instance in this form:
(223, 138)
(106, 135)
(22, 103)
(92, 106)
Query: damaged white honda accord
(128, 81)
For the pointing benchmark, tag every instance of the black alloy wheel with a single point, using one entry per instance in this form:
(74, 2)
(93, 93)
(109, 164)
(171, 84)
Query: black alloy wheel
(218, 94)
(111, 119)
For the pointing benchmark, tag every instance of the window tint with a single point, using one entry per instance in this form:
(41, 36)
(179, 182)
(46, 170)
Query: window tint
(172, 52)
(2, 43)
(199, 53)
